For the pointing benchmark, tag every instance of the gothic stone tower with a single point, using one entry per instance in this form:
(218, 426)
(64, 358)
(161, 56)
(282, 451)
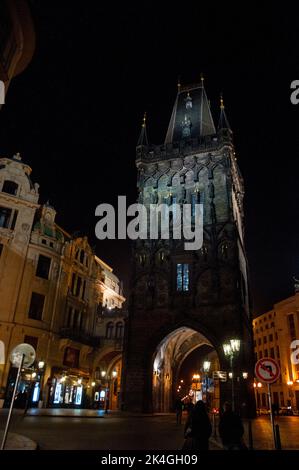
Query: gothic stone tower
(182, 299)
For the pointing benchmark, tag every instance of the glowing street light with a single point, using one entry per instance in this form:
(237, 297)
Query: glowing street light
(231, 349)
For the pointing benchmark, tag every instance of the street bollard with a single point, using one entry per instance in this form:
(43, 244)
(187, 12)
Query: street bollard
(277, 437)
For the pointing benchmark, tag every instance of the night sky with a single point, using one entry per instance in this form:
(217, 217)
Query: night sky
(75, 113)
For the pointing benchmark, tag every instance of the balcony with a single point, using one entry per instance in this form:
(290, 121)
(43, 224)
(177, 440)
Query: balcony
(80, 337)
(115, 343)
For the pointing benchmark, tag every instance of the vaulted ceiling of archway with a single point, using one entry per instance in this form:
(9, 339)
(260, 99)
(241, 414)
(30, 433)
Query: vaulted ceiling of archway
(178, 344)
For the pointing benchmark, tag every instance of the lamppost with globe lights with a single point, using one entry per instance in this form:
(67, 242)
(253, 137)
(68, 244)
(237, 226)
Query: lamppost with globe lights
(256, 386)
(108, 386)
(231, 350)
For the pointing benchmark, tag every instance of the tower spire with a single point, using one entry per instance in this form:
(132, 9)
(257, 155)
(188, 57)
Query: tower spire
(191, 115)
(143, 140)
(223, 121)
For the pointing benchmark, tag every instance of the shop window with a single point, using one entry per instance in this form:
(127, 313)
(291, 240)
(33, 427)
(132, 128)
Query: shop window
(32, 340)
(119, 329)
(109, 330)
(36, 306)
(43, 267)
(182, 277)
(71, 357)
(10, 187)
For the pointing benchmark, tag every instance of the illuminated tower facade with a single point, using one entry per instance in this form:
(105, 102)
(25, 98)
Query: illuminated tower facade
(182, 300)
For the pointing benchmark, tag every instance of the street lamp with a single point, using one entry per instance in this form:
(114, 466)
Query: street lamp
(257, 385)
(291, 394)
(109, 379)
(230, 350)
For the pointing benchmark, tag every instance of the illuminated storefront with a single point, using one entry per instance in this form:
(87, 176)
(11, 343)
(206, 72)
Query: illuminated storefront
(29, 388)
(68, 389)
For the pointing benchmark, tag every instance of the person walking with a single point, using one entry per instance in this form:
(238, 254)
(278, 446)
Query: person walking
(178, 406)
(231, 429)
(198, 428)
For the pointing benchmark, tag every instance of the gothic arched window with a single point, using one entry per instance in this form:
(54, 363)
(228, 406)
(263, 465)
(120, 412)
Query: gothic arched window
(119, 329)
(109, 329)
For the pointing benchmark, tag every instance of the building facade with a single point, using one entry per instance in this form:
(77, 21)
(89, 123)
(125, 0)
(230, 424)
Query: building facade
(183, 299)
(53, 289)
(274, 332)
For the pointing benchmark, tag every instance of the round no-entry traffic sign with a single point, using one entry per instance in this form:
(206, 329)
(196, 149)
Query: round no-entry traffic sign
(267, 370)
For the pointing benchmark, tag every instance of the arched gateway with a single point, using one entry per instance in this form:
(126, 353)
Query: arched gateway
(168, 362)
(184, 298)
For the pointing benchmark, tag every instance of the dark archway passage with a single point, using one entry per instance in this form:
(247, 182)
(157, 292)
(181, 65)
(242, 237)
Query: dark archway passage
(171, 354)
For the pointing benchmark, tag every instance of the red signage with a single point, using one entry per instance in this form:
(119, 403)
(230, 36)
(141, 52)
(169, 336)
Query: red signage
(267, 370)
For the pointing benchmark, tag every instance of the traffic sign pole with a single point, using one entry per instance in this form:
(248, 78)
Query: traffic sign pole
(271, 416)
(267, 370)
(12, 403)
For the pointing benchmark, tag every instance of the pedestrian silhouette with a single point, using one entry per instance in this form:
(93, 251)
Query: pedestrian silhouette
(178, 406)
(231, 429)
(198, 428)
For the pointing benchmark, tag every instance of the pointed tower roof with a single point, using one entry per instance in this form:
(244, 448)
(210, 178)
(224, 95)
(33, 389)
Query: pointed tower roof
(191, 116)
(143, 140)
(223, 121)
